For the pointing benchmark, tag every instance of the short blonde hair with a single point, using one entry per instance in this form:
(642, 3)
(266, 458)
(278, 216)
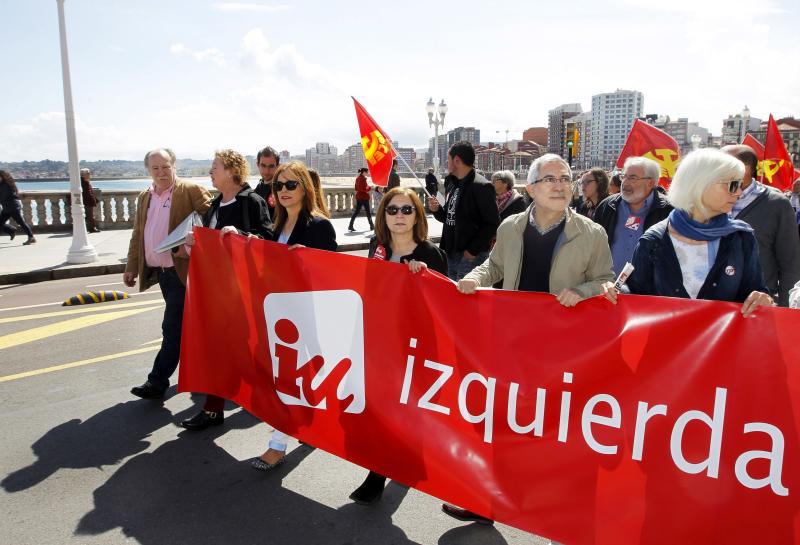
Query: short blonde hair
(696, 172)
(236, 163)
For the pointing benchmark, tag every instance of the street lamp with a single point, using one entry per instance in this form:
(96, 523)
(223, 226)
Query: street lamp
(436, 120)
(81, 250)
(695, 141)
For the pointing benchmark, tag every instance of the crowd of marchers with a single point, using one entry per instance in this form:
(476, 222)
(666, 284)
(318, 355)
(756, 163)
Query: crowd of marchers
(716, 233)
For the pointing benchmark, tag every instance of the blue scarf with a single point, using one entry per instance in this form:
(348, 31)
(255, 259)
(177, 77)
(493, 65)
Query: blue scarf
(718, 227)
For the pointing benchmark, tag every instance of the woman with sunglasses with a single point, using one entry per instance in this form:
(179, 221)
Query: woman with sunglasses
(698, 252)
(299, 223)
(401, 236)
(237, 209)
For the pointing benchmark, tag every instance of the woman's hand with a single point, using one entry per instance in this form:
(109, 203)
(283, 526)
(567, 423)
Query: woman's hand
(416, 266)
(569, 298)
(755, 300)
(610, 292)
(189, 239)
(228, 229)
(467, 286)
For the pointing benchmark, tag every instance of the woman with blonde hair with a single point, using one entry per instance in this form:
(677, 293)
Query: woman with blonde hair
(237, 209)
(699, 252)
(298, 222)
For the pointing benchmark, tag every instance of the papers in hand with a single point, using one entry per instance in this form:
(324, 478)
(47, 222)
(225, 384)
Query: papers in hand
(440, 198)
(178, 235)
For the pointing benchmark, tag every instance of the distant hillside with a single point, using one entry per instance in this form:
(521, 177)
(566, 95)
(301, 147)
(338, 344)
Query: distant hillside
(117, 168)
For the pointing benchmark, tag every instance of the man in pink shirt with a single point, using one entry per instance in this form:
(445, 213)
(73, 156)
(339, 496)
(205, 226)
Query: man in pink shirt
(159, 210)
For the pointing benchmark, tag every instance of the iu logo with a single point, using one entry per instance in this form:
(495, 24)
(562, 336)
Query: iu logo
(316, 342)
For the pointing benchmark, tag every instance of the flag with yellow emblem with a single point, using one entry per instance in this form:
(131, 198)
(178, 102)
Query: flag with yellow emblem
(377, 146)
(777, 169)
(644, 140)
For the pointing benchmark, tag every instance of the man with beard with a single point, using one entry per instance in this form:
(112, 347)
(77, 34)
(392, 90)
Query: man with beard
(638, 206)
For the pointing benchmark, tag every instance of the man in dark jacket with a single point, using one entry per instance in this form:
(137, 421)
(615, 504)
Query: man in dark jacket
(771, 216)
(469, 214)
(638, 206)
(431, 183)
(89, 200)
(267, 162)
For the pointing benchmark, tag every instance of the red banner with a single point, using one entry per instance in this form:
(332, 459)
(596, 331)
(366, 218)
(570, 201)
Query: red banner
(778, 168)
(377, 146)
(644, 140)
(656, 421)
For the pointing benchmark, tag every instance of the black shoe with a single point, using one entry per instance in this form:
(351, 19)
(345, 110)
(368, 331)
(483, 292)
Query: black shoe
(204, 419)
(370, 490)
(351, 228)
(464, 515)
(13, 233)
(147, 391)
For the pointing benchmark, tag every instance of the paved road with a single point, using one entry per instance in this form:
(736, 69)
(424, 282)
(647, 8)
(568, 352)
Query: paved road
(83, 461)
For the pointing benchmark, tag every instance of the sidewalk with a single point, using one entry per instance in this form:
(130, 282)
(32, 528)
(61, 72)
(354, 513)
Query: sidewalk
(46, 260)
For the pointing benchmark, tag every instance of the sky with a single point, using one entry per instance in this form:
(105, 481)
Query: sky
(199, 75)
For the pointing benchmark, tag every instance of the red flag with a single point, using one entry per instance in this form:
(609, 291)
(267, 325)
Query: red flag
(778, 170)
(644, 140)
(674, 422)
(377, 146)
(750, 140)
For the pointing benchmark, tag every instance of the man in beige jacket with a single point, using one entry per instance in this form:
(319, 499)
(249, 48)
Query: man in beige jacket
(548, 248)
(159, 210)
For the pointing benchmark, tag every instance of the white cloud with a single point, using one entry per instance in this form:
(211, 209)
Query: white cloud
(247, 7)
(212, 54)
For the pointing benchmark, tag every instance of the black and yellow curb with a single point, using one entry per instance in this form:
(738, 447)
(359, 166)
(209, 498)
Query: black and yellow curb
(89, 297)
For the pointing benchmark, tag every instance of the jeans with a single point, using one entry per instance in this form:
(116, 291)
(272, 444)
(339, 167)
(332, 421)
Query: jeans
(15, 213)
(174, 292)
(458, 267)
(359, 206)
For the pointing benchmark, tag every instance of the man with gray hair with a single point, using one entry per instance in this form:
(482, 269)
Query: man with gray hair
(89, 200)
(638, 206)
(159, 210)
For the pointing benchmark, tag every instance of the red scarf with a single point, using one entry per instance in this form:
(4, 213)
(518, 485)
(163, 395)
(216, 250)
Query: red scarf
(504, 199)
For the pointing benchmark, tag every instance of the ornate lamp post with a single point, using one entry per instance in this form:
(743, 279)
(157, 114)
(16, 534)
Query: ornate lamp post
(436, 120)
(745, 122)
(81, 250)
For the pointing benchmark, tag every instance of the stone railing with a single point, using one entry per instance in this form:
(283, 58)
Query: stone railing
(48, 211)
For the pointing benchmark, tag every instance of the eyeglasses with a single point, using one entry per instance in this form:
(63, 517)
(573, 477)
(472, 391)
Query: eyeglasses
(733, 186)
(291, 185)
(633, 177)
(552, 180)
(406, 209)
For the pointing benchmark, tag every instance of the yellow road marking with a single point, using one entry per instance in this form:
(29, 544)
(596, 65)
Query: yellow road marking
(38, 333)
(158, 340)
(77, 363)
(98, 308)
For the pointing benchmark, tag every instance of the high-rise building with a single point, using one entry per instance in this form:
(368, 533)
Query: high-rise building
(469, 134)
(353, 158)
(578, 130)
(409, 155)
(284, 156)
(613, 115)
(555, 125)
(442, 148)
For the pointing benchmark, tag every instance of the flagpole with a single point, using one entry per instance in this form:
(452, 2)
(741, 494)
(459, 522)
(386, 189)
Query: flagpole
(764, 160)
(421, 184)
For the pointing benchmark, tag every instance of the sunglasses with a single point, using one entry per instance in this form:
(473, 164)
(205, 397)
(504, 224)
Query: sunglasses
(406, 209)
(291, 185)
(733, 186)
